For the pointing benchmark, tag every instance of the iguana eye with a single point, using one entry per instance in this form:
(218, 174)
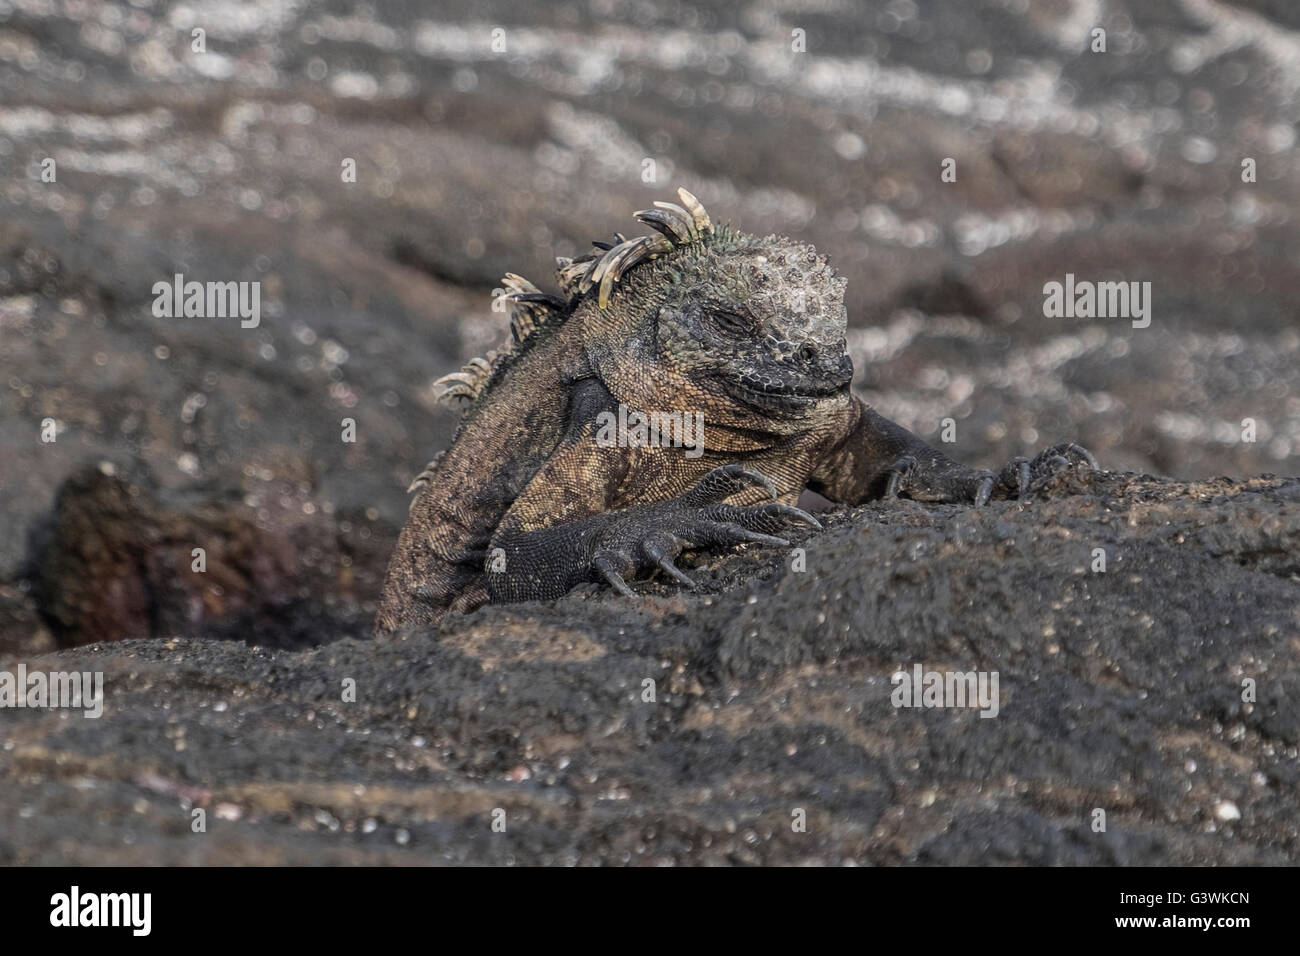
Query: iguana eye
(733, 323)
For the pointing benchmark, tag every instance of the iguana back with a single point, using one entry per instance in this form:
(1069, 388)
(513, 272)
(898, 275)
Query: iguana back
(501, 443)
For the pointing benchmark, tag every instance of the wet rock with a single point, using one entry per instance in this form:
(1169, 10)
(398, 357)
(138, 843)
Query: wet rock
(120, 558)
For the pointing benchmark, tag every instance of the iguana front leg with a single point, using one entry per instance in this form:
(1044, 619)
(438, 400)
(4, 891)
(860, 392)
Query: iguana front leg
(879, 459)
(538, 563)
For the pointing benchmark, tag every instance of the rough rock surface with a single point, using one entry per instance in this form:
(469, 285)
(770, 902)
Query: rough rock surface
(182, 433)
(227, 166)
(1120, 690)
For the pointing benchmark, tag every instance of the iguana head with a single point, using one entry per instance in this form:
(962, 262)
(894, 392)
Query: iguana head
(747, 330)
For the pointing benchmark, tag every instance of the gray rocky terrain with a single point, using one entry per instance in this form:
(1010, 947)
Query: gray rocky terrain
(1121, 690)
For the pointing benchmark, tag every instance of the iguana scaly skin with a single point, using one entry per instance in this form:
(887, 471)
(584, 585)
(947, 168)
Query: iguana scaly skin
(530, 500)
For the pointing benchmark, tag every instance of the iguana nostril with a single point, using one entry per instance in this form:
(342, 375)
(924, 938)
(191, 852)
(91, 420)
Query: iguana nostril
(807, 352)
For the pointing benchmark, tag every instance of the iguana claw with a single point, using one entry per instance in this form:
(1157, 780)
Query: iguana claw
(650, 537)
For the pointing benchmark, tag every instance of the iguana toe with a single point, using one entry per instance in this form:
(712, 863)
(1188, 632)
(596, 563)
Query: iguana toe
(939, 480)
(1020, 474)
(651, 537)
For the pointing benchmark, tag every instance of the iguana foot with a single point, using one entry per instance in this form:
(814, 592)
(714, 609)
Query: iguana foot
(652, 536)
(1021, 474)
(941, 480)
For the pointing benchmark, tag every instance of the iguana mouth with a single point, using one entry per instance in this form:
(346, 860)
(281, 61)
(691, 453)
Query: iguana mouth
(792, 398)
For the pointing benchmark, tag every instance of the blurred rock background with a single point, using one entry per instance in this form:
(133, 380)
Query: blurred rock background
(490, 137)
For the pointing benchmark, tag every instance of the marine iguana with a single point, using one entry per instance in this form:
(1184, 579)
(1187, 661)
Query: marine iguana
(529, 501)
